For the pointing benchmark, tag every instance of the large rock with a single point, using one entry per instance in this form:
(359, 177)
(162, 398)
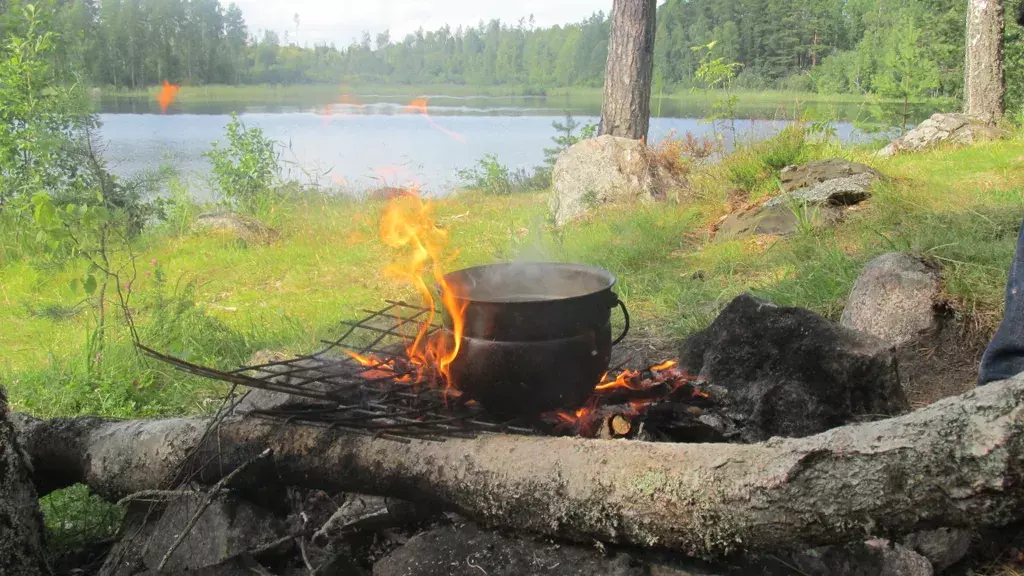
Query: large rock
(942, 547)
(235, 225)
(603, 170)
(227, 528)
(951, 128)
(807, 175)
(466, 550)
(872, 558)
(845, 191)
(790, 372)
(815, 194)
(21, 522)
(894, 299)
(778, 220)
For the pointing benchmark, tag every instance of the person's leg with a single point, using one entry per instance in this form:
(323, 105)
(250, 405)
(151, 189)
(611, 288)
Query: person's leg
(1004, 357)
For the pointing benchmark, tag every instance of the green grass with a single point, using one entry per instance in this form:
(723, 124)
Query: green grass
(216, 300)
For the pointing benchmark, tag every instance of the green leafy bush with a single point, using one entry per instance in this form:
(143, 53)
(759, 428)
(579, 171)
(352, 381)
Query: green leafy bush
(488, 175)
(42, 119)
(246, 170)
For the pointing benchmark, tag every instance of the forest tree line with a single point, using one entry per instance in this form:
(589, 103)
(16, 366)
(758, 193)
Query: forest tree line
(828, 46)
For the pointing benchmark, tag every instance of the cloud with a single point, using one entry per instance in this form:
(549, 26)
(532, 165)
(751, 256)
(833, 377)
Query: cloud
(341, 21)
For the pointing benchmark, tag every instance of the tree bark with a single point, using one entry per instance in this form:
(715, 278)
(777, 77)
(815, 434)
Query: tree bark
(21, 522)
(984, 84)
(626, 110)
(956, 463)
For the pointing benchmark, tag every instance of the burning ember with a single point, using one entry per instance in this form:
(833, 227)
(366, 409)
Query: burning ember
(168, 92)
(627, 395)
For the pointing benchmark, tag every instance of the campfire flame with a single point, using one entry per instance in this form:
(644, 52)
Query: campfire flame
(168, 92)
(408, 225)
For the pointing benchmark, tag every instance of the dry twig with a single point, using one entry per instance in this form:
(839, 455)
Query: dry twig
(211, 495)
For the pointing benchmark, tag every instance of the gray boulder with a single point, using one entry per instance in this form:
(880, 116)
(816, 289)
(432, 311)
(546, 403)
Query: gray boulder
(815, 194)
(227, 528)
(894, 299)
(789, 372)
(779, 220)
(951, 128)
(806, 175)
(606, 170)
(466, 550)
(943, 547)
(872, 558)
(845, 191)
(235, 225)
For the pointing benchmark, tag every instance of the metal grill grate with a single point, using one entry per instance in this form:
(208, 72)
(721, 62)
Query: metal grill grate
(385, 398)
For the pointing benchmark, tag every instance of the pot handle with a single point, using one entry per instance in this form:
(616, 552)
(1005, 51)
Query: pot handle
(625, 313)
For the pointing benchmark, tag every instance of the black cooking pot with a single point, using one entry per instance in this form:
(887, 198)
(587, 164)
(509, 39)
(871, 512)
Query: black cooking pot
(537, 336)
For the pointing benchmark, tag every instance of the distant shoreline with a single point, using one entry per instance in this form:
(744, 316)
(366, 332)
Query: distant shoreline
(677, 102)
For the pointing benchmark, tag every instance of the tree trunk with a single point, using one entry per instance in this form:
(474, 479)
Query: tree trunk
(956, 463)
(984, 84)
(21, 522)
(626, 110)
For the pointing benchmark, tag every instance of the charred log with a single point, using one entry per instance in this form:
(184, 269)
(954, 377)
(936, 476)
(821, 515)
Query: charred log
(956, 463)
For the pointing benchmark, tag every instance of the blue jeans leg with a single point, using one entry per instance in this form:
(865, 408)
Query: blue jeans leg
(1004, 357)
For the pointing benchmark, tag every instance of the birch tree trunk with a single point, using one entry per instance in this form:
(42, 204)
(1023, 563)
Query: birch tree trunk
(626, 110)
(984, 84)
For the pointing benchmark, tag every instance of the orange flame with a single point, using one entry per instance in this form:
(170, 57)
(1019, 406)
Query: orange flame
(408, 224)
(419, 106)
(168, 92)
(628, 379)
(664, 366)
(363, 360)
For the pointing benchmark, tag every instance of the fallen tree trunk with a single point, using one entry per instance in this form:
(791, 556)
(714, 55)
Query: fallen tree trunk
(955, 463)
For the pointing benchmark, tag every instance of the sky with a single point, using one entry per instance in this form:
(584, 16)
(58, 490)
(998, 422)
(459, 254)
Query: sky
(340, 21)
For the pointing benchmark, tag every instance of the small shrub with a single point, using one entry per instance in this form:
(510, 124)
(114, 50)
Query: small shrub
(247, 169)
(669, 155)
(699, 149)
(178, 207)
(566, 137)
(744, 169)
(752, 165)
(786, 148)
(488, 175)
(492, 177)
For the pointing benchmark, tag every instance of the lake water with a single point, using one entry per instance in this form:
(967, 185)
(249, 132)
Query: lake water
(360, 148)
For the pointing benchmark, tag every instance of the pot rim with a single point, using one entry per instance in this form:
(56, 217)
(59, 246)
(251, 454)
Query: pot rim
(609, 278)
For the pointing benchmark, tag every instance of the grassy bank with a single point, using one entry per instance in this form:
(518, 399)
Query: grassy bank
(217, 300)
